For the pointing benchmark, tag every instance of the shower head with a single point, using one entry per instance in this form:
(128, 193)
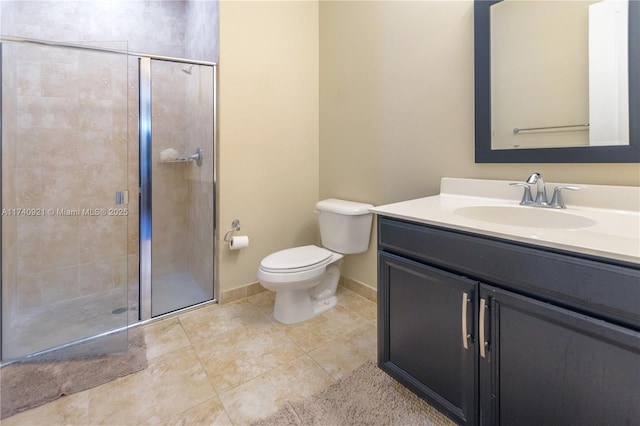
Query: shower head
(187, 69)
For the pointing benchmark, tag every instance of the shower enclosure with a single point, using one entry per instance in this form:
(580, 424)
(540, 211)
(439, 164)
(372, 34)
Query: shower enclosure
(100, 228)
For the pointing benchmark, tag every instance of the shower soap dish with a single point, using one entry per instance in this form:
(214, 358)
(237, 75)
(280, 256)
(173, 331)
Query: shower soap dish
(171, 155)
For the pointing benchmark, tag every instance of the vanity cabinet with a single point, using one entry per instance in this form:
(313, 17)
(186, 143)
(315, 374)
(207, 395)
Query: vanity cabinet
(422, 333)
(495, 332)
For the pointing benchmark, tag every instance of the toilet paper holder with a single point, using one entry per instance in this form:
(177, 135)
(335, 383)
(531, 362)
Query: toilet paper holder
(235, 226)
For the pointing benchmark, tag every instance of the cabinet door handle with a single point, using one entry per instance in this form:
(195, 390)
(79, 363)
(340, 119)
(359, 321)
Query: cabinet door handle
(465, 335)
(481, 331)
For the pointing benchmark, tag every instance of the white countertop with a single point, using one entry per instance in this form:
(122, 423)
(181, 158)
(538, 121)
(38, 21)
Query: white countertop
(614, 209)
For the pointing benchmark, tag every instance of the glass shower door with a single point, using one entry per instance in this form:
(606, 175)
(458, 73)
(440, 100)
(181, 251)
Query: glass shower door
(64, 229)
(181, 173)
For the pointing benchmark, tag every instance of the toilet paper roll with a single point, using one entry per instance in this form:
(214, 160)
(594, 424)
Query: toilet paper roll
(239, 242)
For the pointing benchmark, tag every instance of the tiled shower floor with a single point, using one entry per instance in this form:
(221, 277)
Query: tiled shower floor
(44, 328)
(224, 364)
(176, 291)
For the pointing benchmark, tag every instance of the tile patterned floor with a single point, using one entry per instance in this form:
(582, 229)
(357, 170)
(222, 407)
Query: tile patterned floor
(224, 365)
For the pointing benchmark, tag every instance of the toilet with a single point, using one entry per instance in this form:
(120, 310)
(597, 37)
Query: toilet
(305, 278)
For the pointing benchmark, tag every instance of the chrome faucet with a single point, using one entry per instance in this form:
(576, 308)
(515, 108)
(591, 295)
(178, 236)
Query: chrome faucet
(541, 193)
(541, 189)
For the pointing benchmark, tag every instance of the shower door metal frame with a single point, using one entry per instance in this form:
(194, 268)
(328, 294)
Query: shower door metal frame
(1, 173)
(145, 135)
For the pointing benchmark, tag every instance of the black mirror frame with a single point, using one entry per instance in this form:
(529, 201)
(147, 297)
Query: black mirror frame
(594, 154)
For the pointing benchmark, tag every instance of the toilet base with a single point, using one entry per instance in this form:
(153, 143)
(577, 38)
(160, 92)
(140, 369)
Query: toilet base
(320, 306)
(308, 299)
(294, 306)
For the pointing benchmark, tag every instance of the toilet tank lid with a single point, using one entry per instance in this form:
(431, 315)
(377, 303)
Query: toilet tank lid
(350, 208)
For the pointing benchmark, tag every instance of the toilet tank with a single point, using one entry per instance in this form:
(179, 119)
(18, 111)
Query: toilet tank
(345, 226)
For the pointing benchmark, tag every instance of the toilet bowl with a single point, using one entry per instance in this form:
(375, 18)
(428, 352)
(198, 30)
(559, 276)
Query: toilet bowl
(305, 278)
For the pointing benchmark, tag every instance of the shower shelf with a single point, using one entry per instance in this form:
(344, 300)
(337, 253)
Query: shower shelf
(179, 160)
(197, 157)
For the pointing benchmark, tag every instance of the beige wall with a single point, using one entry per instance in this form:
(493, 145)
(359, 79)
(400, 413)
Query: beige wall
(395, 110)
(268, 132)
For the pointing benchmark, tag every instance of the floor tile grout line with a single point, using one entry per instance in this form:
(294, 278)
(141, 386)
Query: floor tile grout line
(262, 314)
(269, 318)
(209, 379)
(333, 380)
(304, 353)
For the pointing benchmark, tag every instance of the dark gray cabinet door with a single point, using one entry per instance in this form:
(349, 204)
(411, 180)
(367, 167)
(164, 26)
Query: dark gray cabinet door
(423, 314)
(546, 365)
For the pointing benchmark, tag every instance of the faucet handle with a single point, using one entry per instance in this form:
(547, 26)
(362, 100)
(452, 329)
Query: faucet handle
(557, 202)
(527, 199)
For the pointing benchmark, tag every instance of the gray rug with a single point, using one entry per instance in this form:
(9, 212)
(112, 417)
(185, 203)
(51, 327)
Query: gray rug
(30, 384)
(367, 396)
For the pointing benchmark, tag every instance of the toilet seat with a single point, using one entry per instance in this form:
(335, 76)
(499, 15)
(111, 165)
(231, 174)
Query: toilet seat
(297, 259)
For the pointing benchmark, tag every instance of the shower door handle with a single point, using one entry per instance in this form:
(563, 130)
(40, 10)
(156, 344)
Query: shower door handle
(122, 197)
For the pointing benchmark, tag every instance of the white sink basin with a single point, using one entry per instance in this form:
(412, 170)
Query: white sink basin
(600, 220)
(532, 217)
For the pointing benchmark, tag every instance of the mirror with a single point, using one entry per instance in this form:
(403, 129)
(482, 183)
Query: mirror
(518, 119)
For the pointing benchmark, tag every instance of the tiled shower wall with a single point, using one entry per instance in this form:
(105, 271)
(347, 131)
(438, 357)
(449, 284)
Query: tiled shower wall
(183, 192)
(9, 223)
(200, 128)
(170, 186)
(155, 27)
